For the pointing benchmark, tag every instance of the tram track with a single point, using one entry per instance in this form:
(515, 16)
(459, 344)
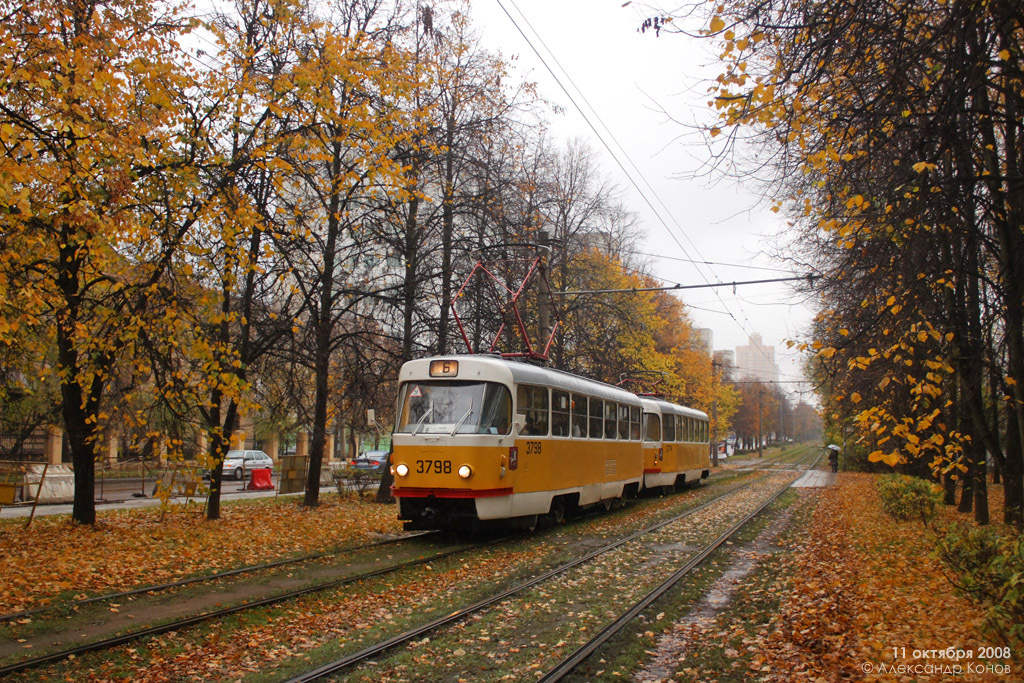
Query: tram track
(187, 622)
(209, 578)
(569, 664)
(373, 651)
(349, 660)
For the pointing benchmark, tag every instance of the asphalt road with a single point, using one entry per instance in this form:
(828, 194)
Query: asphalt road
(128, 493)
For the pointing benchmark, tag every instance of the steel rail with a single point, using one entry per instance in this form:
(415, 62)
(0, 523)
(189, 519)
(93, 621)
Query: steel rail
(108, 643)
(11, 616)
(569, 664)
(459, 614)
(364, 654)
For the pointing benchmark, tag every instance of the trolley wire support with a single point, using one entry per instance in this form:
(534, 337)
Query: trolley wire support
(671, 288)
(536, 269)
(646, 381)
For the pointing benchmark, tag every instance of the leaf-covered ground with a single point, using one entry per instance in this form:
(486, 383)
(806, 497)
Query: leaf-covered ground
(857, 596)
(853, 594)
(55, 558)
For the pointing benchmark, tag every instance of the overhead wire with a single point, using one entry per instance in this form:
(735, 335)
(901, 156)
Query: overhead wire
(714, 263)
(615, 157)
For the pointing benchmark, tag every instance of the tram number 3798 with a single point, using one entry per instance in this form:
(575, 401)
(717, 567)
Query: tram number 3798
(433, 466)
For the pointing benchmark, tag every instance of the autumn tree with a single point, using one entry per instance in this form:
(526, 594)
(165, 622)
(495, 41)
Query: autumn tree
(243, 307)
(349, 114)
(894, 130)
(95, 194)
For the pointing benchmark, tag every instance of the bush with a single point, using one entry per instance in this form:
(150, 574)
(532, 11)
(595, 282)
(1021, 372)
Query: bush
(989, 569)
(350, 481)
(906, 497)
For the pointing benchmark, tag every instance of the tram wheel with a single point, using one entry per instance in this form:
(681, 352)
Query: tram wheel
(557, 513)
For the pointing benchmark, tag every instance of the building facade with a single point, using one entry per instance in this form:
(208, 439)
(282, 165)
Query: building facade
(755, 361)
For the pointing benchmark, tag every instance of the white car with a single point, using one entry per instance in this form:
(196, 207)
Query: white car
(237, 461)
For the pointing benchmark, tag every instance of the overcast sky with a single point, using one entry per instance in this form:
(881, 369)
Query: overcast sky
(644, 89)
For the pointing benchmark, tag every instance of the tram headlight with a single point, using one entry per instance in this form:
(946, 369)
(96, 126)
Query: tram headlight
(465, 471)
(402, 470)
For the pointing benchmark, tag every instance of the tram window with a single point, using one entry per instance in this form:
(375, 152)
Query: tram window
(652, 427)
(704, 431)
(454, 407)
(579, 416)
(596, 418)
(496, 417)
(533, 404)
(624, 422)
(691, 429)
(634, 423)
(668, 427)
(610, 410)
(559, 413)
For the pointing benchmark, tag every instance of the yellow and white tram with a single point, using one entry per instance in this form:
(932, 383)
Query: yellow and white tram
(675, 445)
(482, 438)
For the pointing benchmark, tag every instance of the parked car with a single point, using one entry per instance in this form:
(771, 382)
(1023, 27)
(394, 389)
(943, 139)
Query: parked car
(236, 461)
(371, 460)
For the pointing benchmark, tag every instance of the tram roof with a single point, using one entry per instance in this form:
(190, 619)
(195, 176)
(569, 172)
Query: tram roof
(484, 367)
(674, 408)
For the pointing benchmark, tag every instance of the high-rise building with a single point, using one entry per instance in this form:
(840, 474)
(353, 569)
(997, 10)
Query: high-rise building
(756, 361)
(704, 338)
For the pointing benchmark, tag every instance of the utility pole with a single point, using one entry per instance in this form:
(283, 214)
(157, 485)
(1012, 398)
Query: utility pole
(714, 433)
(543, 292)
(781, 405)
(760, 439)
(714, 417)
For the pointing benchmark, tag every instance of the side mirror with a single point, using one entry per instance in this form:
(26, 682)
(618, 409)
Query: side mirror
(518, 424)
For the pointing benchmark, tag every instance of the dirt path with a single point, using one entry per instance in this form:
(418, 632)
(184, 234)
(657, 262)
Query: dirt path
(672, 647)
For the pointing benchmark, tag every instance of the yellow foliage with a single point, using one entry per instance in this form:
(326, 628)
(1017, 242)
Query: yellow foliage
(892, 458)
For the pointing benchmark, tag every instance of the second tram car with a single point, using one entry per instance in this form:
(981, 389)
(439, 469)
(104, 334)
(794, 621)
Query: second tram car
(675, 445)
(481, 438)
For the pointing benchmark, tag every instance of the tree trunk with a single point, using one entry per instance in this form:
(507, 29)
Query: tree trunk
(324, 320)
(218, 448)
(321, 371)
(1013, 472)
(411, 276)
(447, 233)
(998, 458)
(78, 410)
(1008, 196)
(981, 511)
(949, 484)
(82, 437)
(387, 480)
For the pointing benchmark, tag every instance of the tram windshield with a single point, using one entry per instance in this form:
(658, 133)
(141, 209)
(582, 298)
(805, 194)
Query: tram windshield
(445, 407)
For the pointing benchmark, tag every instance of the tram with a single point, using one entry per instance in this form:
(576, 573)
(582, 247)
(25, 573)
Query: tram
(676, 451)
(481, 438)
